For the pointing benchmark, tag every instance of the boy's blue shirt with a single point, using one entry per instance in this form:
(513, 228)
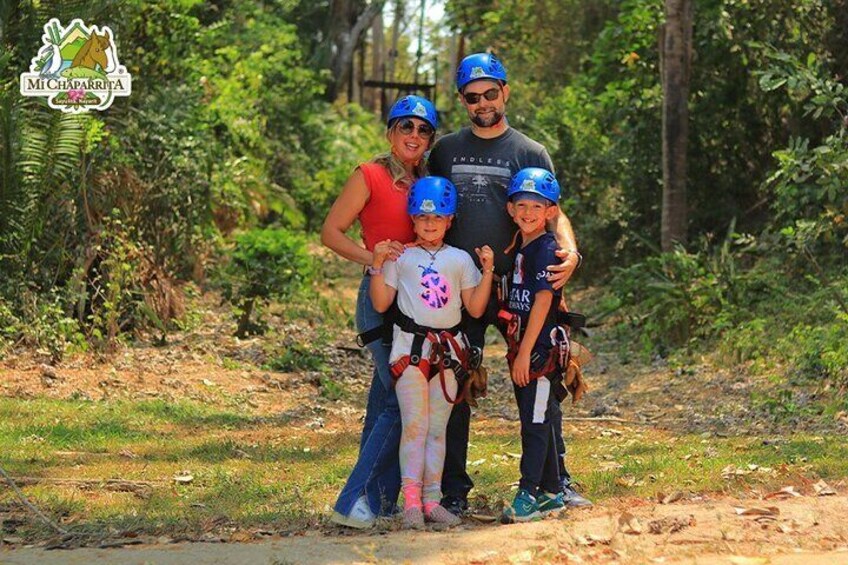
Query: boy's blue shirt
(529, 276)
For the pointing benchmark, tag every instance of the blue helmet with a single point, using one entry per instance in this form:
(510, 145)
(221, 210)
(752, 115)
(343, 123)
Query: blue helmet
(432, 195)
(414, 107)
(534, 180)
(479, 66)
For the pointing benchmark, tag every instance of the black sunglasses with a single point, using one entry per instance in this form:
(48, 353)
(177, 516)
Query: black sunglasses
(474, 97)
(407, 126)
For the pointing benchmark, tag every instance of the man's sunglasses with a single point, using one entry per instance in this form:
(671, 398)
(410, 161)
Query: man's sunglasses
(406, 127)
(474, 97)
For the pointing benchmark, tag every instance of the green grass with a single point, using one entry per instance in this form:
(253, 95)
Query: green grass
(271, 473)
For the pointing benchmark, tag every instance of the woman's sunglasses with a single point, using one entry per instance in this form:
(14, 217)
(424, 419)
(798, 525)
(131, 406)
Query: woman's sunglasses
(474, 97)
(406, 127)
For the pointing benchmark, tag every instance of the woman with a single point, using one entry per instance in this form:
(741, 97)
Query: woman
(376, 195)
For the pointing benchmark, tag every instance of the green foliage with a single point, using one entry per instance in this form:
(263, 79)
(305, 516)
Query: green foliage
(809, 182)
(225, 130)
(266, 263)
(297, 357)
(342, 138)
(681, 298)
(821, 351)
(44, 325)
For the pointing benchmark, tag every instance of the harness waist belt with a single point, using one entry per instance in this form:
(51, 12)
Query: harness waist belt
(408, 325)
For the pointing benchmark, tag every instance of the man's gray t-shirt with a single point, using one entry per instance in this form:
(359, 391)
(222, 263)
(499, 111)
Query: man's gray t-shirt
(481, 170)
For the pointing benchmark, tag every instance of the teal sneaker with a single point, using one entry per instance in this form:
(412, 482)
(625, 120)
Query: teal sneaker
(524, 509)
(550, 503)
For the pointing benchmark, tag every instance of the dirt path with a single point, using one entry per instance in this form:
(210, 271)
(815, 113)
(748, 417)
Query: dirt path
(209, 366)
(802, 530)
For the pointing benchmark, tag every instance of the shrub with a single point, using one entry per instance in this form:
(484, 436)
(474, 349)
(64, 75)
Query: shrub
(266, 263)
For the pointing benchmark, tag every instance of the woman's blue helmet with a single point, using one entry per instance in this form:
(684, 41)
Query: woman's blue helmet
(413, 106)
(479, 66)
(534, 180)
(432, 195)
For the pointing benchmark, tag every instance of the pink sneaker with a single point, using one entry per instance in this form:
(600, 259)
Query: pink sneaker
(440, 515)
(413, 518)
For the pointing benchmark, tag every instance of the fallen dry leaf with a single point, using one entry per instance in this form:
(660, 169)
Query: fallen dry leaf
(740, 560)
(592, 540)
(525, 556)
(241, 536)
(785, 492)
(671, 524)
(790, 527)
(183, 478)
(629, 524)
(673, 497)
(484, 518)
(626, 481)
(757, 511)
(823, 489)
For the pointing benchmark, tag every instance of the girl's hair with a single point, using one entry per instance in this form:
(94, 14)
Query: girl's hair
(395, 166)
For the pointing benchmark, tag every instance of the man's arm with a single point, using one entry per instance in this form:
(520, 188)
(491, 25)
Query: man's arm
(560, 273)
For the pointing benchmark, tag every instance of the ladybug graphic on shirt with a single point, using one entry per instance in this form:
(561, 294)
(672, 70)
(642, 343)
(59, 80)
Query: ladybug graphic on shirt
(436, 290)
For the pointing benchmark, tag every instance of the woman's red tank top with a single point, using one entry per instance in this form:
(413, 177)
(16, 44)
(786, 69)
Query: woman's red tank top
(384, 215)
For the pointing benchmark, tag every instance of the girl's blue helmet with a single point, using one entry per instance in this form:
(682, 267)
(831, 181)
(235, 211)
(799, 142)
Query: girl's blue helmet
(534, 180)
(479, 66)
(432, 195)
(413, 106)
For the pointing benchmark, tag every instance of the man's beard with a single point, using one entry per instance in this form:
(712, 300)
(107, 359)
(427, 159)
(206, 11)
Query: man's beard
(489, 121)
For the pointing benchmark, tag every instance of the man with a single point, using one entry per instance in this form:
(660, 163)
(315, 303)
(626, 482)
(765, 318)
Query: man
(480, 160)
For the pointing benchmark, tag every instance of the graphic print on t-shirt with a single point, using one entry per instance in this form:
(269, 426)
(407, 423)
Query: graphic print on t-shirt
(518, 271)
(436, 290)
(473, 182)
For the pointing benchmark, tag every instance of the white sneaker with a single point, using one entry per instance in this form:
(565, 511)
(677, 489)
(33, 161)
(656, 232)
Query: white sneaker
(361, 510)
(360, 516)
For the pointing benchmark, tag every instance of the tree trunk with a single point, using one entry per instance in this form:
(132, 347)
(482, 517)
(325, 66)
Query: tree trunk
(345, 34)
(244, 320)
(378, 53)
(675, 66)
(393, 52)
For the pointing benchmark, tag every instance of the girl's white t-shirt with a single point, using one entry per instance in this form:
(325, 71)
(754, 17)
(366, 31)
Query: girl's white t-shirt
(429, 285)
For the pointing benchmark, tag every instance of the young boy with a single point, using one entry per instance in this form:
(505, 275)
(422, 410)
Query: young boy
(537, 345)
(432, 281)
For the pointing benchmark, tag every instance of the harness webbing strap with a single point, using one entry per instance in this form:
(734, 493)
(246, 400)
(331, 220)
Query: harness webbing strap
(513, 341)
(442, 342)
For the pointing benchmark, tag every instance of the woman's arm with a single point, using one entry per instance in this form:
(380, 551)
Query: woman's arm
(382, 295)
(341, 216)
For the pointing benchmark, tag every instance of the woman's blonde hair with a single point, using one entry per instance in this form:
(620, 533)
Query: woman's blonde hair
(395, 166)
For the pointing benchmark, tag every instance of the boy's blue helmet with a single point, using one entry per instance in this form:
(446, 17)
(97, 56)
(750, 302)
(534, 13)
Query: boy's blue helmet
(432, 195)
(534, 180)
(479, 66)
(413, 106)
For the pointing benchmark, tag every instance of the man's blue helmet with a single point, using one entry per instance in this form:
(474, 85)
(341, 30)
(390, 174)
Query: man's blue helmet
(432, 195)
(479, 66)
(413, 106)
(534, 180)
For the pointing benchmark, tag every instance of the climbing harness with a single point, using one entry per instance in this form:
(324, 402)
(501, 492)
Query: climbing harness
(445, 353)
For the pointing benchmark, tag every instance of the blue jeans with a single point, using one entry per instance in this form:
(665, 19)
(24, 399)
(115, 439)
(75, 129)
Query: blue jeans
(377, 471)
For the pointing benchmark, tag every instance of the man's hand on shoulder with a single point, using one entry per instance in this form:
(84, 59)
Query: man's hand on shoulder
(561, 272)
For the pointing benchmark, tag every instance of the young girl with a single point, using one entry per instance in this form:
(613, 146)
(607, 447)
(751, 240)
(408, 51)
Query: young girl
(432, 282)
